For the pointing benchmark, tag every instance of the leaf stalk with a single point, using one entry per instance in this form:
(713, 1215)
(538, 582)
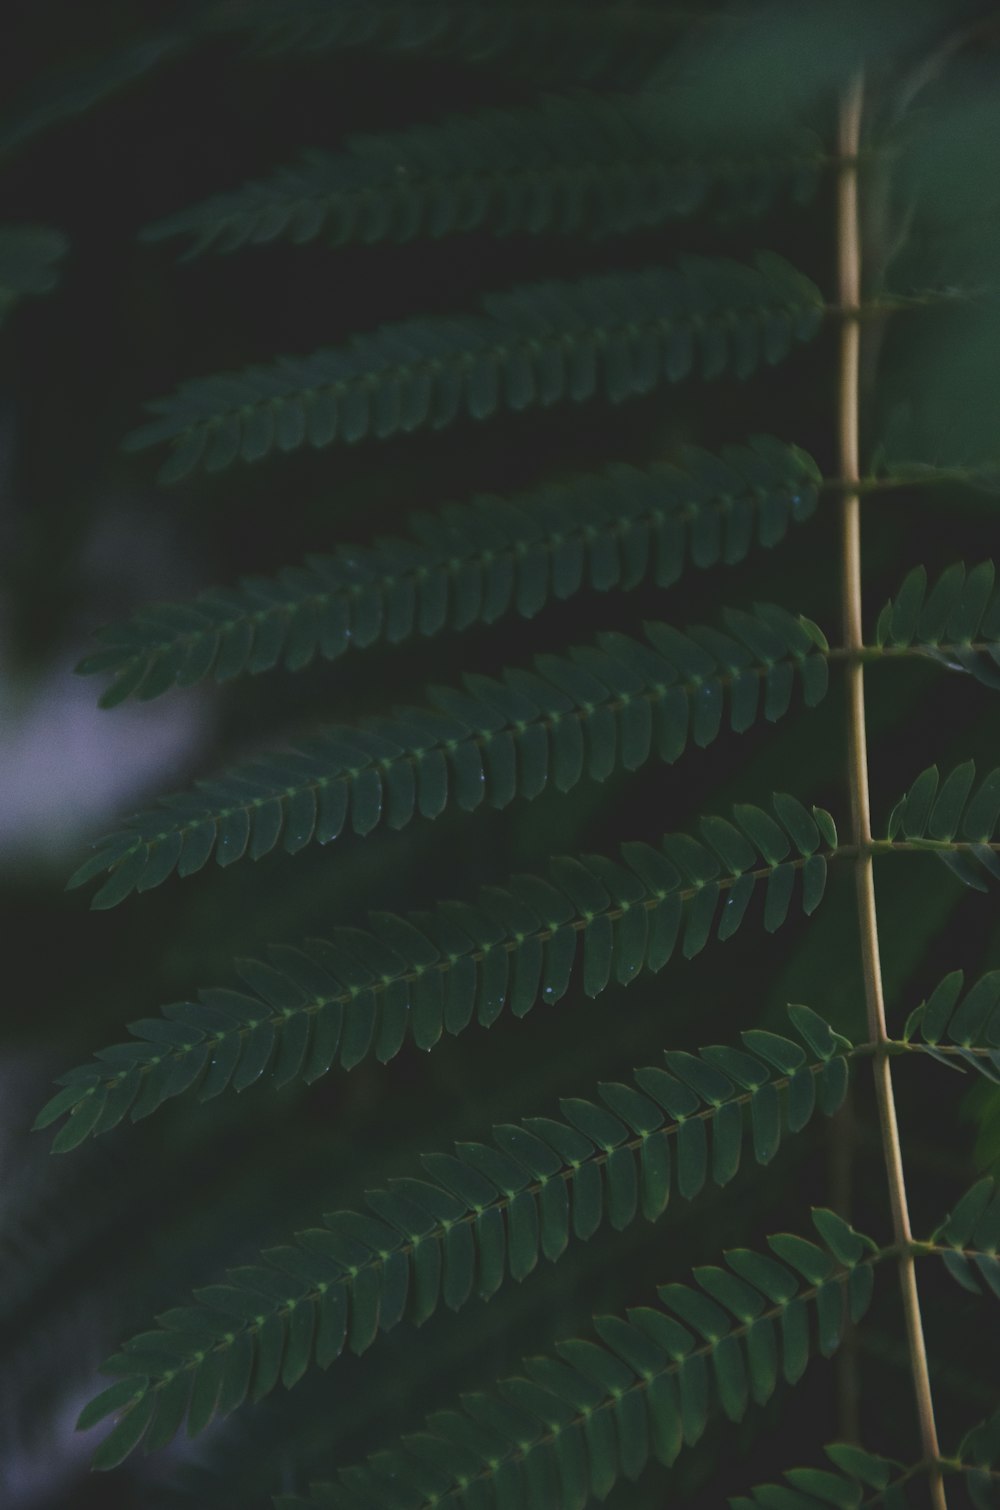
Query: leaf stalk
(849, 295)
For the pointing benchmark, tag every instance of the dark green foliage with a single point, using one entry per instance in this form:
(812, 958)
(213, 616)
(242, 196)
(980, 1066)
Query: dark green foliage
(492, 144)
(72, 93)
(956, 623)
(605, 708)
(29, 258)
(569, 1429)
(965, 1031)
(969, 1238)
(952, 820)
(979, 1453)
(606, 35)
(478, 1217)
(570, 165)
(861, 1478)
(858, 1478)
(364, 992)
(619, 334)
(472, 563)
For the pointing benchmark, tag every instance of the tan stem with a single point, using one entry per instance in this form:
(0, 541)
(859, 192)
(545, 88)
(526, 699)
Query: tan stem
(849, 294)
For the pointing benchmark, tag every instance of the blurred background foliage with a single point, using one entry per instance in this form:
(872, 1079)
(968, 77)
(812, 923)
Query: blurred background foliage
(106, 128)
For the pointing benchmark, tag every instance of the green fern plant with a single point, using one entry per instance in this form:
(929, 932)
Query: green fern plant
(640, 147)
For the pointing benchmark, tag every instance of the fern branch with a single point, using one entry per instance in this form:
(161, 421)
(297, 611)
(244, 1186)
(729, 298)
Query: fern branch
(863, 1478)
(969, 1237)
(859, 1479)
(364, 991)
(956, 656)
(29, 258)
(539, 344)
(600, 164)
(488, 1212)
(913, 475)
(597, 711)
(931, 819)
(473, 564)
(76, 90)
(972, 1024)
(956, 623)
(570, 1428)
(980, 1057)
(581, 41)
(979, 1456)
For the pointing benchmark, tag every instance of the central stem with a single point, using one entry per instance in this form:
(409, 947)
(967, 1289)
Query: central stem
(849, 295)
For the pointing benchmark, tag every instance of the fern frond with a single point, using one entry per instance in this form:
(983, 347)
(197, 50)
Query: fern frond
(979, 1458)
(570, 1428)
(595, 711)
(488, 1212)
(430, 973)
(969, 1237)
(584, 41)
(74, 91)
(29, 258)
(472, 564)
(956, 623)
(567, 165)
(860, 1478)
(918, 474)
(970, 1026)
(932, 819)
(542, 343)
